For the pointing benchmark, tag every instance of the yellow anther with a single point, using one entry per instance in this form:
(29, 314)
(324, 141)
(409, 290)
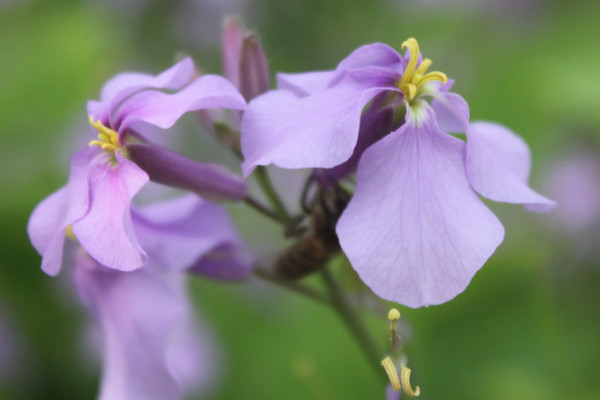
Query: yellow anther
(393, 315)
(413, 49)
(390, 369)
(423, 67)
(107, 138)
(69, 232)
(413, 77)
(405, 377)
(434, 76)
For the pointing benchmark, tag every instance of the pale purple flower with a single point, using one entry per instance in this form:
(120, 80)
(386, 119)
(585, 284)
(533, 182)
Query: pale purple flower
(153, 347)
(94, 205)
(415, 229)
(574, 181)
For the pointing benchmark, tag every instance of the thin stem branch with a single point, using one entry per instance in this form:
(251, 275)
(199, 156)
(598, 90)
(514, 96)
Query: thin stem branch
(267, 212)
(297, 287)
(370, 349)
(269, 190)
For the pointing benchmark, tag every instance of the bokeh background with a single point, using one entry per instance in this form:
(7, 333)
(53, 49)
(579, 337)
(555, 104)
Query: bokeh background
(528, 327)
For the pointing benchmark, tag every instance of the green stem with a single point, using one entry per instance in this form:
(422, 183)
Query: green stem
(267, 186)
(255, 204)
(299, 288)
(370, 349)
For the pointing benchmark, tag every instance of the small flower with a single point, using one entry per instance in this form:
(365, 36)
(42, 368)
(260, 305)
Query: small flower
(153, 347)
(415, 229)
(94, 205)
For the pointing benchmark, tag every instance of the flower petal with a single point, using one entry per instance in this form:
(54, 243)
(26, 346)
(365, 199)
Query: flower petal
(47, 219)
(163, 110)
(229, 261)
(452, 112)
(370, 55)
(180, 233)
(415, 231)
(314, 131)
(305, 83)
(47, 224)
(211, 181)
(106, 231)
(374, 124)
(498, 163)
(139, 314)
(124, 85)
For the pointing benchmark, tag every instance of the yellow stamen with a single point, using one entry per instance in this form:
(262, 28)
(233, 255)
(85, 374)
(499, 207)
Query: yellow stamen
(69, 232)
(413, 49)
(413, 77)
(405, 377)
(107, 138)
(425, 64)
(393, 317)
(433, 76)
(390, 368)
(394, 314)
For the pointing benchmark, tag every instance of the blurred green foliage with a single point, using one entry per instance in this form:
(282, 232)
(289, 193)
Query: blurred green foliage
(526, 328)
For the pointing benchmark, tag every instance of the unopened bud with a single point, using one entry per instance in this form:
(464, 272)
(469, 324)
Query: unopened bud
(254, 69)
(211, 181)
(231, 48)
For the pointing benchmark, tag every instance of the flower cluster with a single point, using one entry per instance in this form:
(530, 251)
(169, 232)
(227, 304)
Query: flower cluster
(397, 191)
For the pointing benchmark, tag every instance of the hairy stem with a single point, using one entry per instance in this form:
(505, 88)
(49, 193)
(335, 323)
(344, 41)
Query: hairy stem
(338, 299)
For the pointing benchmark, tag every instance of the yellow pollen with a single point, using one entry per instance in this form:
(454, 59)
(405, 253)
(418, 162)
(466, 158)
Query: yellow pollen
(107, 138)
(69, 232)
(393, 315)
(390, 368)
(415, 77)
(405, 377)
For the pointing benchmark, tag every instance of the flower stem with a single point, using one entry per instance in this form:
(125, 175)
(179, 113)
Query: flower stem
(265, 183)
(255, 204)
(299, 288)
(370, 349)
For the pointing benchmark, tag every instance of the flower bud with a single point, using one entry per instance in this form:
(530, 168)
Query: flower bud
(254, 69)
(212, 182)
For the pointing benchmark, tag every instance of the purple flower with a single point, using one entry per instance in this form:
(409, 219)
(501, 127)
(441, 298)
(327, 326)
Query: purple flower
(574, 181)
(153, 348)
(415, 229)
(94, 205)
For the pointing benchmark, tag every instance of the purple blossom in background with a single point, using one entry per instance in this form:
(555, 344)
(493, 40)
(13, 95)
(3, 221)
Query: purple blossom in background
(153, 346)
(94, 205)
(415, 230)
(574, 181)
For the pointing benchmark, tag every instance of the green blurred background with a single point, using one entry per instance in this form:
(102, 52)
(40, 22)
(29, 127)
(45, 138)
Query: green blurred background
(528, 327)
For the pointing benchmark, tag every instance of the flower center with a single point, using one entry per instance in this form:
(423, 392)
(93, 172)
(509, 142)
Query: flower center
(107, 138)
(415, 77)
